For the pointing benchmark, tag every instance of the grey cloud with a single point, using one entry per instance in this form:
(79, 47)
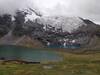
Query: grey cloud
(10, 6)
(89, 9)
(84, 8)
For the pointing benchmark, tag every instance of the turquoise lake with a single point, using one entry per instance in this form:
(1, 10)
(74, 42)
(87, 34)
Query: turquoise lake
(28, 54)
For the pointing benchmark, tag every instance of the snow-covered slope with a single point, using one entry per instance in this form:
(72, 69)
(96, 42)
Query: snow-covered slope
(67, 23)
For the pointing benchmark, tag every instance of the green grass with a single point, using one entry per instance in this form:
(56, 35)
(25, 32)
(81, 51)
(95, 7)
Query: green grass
(72, 64)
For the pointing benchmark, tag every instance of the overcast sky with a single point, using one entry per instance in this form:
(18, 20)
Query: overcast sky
(83, 8)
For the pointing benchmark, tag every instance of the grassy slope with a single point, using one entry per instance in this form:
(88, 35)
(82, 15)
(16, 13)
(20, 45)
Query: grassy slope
(73, 64)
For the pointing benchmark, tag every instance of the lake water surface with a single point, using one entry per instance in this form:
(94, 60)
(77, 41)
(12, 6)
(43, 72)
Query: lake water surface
(27, 54)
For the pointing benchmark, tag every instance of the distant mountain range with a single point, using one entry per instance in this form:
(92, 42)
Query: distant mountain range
(49, 31)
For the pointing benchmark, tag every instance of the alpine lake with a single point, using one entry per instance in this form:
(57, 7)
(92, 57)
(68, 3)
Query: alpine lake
(8, 52)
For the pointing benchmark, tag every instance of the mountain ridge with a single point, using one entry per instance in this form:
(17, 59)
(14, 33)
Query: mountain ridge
(60, 31)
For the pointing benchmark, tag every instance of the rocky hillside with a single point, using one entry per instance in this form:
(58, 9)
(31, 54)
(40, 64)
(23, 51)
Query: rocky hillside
(56, 31)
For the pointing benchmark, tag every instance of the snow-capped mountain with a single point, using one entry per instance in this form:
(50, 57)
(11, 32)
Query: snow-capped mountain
(66, 23)
(57, 31)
